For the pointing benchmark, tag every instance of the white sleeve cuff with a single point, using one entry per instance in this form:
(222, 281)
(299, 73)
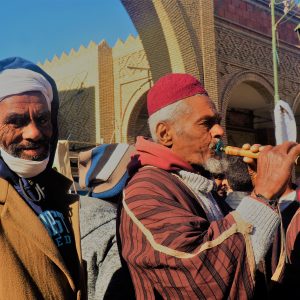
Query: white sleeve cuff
(264, 220)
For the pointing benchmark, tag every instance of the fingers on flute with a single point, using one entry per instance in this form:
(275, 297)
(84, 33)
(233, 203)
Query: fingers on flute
(246, 146)
(248, 160)
(265, 149)
(255, 148)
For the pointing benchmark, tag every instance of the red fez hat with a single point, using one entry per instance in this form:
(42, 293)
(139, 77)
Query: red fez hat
(172, 88)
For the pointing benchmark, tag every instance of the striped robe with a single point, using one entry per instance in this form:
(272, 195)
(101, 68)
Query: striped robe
(171, 249)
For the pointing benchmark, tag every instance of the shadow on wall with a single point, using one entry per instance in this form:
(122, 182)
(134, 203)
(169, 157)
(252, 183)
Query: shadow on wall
(76, 117)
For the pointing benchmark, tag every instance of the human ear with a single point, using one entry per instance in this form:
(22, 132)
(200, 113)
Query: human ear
(164, 134)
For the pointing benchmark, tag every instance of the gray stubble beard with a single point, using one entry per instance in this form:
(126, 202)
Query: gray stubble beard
(216, 166)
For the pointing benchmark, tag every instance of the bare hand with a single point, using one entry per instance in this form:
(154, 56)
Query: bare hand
(274, 168)
(252, 163)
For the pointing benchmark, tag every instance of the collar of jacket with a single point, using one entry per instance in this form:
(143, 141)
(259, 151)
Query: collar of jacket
(15, 213)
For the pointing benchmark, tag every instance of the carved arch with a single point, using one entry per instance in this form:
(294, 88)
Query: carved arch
(257, 81)
(134, 105)
(168, 49)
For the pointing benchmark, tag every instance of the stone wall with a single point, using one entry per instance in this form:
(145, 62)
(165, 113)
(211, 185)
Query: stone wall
(77, 79)
(132, 79)
(223, 42)
(256, 15)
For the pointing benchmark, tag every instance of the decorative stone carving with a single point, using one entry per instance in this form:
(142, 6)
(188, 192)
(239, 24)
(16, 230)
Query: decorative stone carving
(244, 50)
(136, 59)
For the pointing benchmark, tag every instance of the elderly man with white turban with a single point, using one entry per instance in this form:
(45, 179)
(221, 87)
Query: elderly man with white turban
(40, 254)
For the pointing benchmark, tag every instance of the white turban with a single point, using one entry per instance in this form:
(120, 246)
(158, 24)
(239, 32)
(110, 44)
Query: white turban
(17, 81)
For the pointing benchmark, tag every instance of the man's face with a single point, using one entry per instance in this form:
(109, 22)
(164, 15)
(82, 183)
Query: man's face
(199, 130)
(221, 184)
(25, 126)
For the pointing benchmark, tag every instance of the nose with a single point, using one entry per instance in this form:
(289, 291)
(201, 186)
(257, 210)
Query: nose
(32, 132)
(217, 131)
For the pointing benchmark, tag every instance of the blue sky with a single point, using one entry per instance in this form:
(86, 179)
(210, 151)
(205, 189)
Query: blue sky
(39, 29)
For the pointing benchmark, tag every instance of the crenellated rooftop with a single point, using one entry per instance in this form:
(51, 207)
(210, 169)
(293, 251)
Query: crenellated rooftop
(130, 45)
(73, 53)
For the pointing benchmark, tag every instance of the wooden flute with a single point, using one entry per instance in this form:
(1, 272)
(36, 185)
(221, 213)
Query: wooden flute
(230, 150)
(236, 151)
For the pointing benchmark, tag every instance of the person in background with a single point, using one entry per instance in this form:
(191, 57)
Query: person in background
(238, 180)
(103, 170)
(176, 240)
(221, 186)
(39, 221)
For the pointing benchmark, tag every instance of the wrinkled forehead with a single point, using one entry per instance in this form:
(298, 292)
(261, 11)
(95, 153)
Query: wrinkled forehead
(23, 102)
(207, 100)
(202, 102)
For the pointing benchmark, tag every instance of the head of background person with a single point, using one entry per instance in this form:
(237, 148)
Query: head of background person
(28, 119)
(221, 186)
(237, 176)
(183, 118)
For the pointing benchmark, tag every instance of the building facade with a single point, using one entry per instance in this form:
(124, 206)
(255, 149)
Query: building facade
(225, 43)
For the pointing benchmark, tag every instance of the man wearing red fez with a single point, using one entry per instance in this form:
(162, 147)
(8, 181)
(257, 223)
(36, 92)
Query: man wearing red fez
(177, 240)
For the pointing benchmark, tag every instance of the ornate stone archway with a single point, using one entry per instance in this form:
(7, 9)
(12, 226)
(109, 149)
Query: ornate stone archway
(248, 114)
(206, 39)
(134, 121)
(173, 34)
(256, 80)
(138, 121)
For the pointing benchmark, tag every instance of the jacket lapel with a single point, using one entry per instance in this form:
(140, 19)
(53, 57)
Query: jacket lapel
(17, 213)
(74, 206)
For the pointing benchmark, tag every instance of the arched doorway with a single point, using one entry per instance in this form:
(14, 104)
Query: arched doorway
(138, 121)
(249, 113)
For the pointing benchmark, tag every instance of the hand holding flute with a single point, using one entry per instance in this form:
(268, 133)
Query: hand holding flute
(273, 167)
(247, 151)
